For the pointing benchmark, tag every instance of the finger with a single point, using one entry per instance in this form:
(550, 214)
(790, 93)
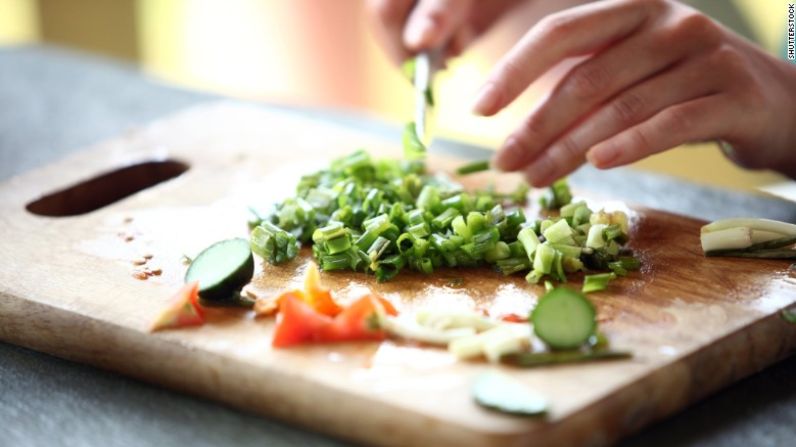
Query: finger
(433, 22)
(577, 31)
(459, 41)
(680, 84)
(390, 17)
(594, 81)
(709, 117)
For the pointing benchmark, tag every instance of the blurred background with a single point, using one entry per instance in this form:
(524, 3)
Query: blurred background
(320, 53)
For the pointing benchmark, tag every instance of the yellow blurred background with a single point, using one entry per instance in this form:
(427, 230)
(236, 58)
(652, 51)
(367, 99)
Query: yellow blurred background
(319, 53)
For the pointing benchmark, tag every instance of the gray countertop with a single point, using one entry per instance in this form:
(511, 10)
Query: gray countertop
(53, 102)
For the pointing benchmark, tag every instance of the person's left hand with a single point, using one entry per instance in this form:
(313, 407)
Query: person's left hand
(659, 74)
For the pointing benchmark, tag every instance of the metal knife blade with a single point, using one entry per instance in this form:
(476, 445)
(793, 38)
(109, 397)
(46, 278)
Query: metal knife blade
(422, 81)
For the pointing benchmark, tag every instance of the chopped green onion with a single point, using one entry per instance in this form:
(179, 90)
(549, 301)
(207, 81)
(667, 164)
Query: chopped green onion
(557, 196)
(529, 241)
(598, 282)
(534, 359)
(273, 243)
(473, 167)
(381, 216)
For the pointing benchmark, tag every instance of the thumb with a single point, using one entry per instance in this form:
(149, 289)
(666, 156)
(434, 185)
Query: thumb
(433, 22)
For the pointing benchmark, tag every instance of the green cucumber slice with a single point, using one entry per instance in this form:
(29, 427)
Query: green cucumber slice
(222, 269)
(499, 392)
(564, 319)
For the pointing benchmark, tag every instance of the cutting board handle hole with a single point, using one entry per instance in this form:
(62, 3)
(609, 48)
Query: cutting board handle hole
(105, 189)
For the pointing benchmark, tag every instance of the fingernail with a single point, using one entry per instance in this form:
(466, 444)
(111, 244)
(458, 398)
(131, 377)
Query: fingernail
(603, 157)
(486, 99)
(540, 172)
(509, 156)
(418, 33)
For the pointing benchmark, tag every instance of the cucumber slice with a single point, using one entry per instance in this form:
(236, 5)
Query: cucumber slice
(564, 319)
(500, 392)
(222, 270)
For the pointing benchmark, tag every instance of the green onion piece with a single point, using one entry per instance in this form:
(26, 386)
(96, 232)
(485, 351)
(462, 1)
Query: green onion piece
(776, 253)
(460, 227)
(387, 268)
(529, 241)
(377, 249)
(571, 251)
(473, 167)
(568, 210)
(273, 243)
(339, 261)
(557, 195)
(534, 276)
(338, 244)
(544, 258)
(614, 232)
(559, 232)
(414, 149)
(444, 220)
(535, 359)
(428, 198)
(513, 265)
(598, 282)
(497, 252)
(617, 268)
(581, 216)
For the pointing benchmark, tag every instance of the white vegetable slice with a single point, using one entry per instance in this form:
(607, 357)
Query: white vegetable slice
(774, 226)
(441, 319)
(408, 329)
(729, 238)
(759, 236)
(507, 338)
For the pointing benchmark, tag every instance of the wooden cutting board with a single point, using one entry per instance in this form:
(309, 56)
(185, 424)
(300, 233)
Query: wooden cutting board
(67, 288)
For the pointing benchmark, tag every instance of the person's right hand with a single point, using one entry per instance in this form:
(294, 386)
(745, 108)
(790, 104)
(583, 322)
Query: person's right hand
(405, 27)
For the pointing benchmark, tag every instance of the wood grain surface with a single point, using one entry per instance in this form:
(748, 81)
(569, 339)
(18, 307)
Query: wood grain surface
(68, 287)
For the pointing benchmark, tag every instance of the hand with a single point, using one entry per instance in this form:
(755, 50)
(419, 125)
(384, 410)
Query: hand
(658, 74)
(404, 29)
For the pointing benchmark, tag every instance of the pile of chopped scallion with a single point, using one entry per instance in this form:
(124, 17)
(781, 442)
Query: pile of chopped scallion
(383, 216)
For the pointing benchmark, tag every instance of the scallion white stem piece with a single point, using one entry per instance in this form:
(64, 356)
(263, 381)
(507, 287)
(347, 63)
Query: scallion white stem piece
(410, 330)
(774, 226)
(759, 236)
(726, 239)
(745, 234)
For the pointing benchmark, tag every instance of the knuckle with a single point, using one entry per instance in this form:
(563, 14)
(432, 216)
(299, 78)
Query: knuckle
(588, 81)
(511, 69)
(728, 58)
(677, 121)
(628, 108)
(534, 126)
(639, 141)
(557, 25)
(698, 28)
(569, 149)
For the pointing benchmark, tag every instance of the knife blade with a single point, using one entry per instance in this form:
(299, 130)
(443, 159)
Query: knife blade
(424, 64)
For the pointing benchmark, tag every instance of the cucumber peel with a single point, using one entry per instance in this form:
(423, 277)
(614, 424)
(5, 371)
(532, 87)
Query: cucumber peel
(222, 270)
(564, 319)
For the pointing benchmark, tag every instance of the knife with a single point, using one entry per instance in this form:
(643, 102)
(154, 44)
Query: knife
(425, 63)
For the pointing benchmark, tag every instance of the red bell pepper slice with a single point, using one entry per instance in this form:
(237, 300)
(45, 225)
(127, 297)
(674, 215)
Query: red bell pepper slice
(299, 323)
(183, 311)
